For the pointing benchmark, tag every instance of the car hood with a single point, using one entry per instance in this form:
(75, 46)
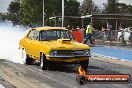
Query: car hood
(57, 45)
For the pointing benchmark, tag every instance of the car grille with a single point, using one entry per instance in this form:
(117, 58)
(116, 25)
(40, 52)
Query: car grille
(69, 53)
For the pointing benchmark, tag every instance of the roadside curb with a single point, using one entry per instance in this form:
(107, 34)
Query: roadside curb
(103, 56)
(111, 59)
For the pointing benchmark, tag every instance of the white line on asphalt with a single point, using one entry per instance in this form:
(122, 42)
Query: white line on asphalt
(109, 57)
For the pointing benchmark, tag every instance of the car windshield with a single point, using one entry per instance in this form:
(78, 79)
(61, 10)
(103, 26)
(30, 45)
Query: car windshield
(46, 35)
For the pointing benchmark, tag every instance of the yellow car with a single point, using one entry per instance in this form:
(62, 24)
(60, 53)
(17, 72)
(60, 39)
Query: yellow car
(53, 45)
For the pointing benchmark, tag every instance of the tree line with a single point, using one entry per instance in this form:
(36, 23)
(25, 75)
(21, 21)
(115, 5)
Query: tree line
(30, 12)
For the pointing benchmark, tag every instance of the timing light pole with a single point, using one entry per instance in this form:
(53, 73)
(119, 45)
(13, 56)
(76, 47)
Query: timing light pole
(62, 13)
(43, 13)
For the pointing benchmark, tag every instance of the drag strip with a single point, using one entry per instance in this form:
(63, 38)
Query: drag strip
(31, 76)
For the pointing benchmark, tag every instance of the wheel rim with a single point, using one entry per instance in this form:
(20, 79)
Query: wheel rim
(41, 61)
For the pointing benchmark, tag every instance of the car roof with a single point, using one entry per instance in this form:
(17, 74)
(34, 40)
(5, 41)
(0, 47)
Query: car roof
(49, 28)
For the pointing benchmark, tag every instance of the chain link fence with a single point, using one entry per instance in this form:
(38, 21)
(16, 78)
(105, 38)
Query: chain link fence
(109, 35)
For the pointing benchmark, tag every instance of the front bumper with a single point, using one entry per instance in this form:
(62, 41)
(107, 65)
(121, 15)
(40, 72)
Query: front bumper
(68, 59)
(69, 56)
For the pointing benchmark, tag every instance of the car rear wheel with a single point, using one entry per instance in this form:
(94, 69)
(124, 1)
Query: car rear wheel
(43, 62)
(25, 59)
(84, 64)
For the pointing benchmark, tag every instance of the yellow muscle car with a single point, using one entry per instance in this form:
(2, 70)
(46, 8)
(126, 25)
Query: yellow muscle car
(53, 45)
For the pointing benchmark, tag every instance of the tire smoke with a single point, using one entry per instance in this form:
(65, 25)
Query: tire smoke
(9, 41)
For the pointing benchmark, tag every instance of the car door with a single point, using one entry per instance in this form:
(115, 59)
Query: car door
(35, 45)
(29, 41)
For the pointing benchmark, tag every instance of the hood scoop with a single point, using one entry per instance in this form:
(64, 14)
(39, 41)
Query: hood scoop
(64, 41)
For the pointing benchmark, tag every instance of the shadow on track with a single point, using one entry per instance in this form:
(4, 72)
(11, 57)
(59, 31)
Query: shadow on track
(74, 69)
(60, 68)
(100, 70)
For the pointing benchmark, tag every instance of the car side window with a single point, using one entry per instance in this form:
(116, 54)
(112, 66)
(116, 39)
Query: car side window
(42, 35)
(31, 34)
(36, 35)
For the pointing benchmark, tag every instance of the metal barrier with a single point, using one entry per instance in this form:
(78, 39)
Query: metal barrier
(109, 35)
(106, 37)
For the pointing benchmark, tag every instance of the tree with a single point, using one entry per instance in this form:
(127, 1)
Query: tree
(72, 8)
(111, 6)
(31, 11)
(122, 8)
(88, 7)
(2, 16)
(128, 9)
(13, 11)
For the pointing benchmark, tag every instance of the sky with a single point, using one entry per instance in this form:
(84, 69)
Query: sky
(4, 3)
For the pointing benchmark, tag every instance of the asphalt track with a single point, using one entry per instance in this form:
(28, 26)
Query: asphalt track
(60, 76)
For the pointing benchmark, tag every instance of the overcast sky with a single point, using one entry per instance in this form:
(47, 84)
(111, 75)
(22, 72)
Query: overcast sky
(4, 3)
(100, 2)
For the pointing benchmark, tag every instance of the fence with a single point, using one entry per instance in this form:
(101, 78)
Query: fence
(109, 35)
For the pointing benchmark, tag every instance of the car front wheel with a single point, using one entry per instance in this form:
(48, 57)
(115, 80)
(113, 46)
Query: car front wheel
(43, 62)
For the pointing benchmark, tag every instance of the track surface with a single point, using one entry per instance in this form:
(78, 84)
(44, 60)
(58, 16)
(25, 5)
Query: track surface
(32, 76)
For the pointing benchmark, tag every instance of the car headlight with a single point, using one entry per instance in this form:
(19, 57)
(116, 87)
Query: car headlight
(87, 52)
(53, 53)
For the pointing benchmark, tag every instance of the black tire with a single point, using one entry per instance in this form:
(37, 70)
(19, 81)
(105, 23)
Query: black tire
(84, 64)
(43, 62)
(29, 61)
(26, 59)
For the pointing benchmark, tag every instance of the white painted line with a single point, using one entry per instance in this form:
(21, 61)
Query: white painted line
(103, 56)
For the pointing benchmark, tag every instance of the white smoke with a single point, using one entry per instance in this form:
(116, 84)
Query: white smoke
(9, 42)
